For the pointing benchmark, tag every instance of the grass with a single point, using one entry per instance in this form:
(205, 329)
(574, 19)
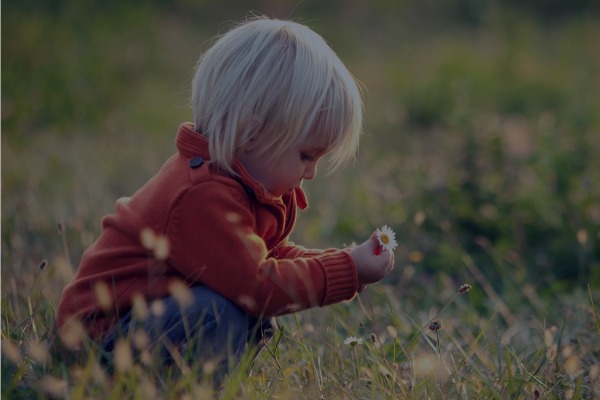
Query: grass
(480, 146)
(475, 354)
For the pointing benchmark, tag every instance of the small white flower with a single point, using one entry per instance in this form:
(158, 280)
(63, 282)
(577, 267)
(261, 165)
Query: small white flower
(353, 341)
(387, 238)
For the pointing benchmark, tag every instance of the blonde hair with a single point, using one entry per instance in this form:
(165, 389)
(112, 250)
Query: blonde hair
(276, 83)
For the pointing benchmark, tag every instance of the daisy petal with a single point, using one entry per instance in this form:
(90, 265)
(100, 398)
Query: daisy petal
(386, 238)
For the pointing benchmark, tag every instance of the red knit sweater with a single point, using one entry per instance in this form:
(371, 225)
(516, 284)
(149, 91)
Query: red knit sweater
(191, 224)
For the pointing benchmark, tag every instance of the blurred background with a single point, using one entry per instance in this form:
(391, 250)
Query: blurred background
(481, 145)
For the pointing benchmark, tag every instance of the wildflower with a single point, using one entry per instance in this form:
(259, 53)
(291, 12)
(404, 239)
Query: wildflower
(551, 352)
(424, 364)
(234, 218)
(254, 244)
(11, 351)
(464, 288)
(416, 256)
(572, 365)
(569, 393)
(419, 218)
(161, 247)
(146, 357)
(147, 237)
(148, 389)
(567, 350)
(122, 356)
(157, 308)
(72, 334)
(157, 243)
(38, 351)
(182, 294)
(353, 341)
(201, 391)
(123, 200)
(209, 367)
(63, 266)
(139, 307)
(386, 238)
(99, 376)
(52, 385)
(140, 339)
(103, 296)
(435, 325)
(595, 372)
(391, 331)
(549, 336)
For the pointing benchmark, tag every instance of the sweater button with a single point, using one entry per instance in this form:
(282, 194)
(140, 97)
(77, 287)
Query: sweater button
(196, 162)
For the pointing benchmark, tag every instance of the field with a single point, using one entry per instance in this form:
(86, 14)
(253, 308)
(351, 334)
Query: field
(481, 150)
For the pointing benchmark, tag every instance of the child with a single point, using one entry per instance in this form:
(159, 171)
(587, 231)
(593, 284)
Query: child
(198, 258)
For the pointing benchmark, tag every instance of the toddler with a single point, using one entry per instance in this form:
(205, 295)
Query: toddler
(198, 259)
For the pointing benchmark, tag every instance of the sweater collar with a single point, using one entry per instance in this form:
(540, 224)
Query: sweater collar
(191, 144)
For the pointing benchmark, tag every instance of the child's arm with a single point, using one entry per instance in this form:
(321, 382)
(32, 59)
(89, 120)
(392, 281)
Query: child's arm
(292, 250)
(370, 268)
(215, 242)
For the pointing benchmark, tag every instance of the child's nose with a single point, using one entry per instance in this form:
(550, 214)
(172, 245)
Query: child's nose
(310, 171)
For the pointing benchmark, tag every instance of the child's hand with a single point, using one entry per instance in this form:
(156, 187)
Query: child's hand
(372, 266)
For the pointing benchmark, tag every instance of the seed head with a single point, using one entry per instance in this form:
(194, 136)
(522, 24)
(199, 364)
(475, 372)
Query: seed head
(464, 288)
(435, 325)
(122, 356)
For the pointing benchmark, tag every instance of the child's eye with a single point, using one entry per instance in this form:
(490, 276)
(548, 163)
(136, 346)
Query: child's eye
(307, 157)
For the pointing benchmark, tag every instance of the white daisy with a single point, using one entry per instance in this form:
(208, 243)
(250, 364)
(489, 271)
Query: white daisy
(353, 341)
(387, 238)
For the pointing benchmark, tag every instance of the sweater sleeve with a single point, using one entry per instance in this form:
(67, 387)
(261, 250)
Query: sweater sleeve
(213, 241)
(291, 250)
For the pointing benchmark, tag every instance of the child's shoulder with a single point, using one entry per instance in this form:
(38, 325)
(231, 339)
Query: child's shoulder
(209, 184)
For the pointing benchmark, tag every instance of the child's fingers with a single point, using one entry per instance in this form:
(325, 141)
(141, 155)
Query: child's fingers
(375, 246)
(373, 238)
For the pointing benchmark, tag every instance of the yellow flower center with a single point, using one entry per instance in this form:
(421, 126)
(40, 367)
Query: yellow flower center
(385, 239)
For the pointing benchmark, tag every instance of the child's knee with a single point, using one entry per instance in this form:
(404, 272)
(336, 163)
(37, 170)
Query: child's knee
(218, 321)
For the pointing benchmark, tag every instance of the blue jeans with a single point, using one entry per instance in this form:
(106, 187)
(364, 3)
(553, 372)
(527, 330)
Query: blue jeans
(210, 328)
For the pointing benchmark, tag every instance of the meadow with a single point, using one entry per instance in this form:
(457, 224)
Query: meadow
(481, 150)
